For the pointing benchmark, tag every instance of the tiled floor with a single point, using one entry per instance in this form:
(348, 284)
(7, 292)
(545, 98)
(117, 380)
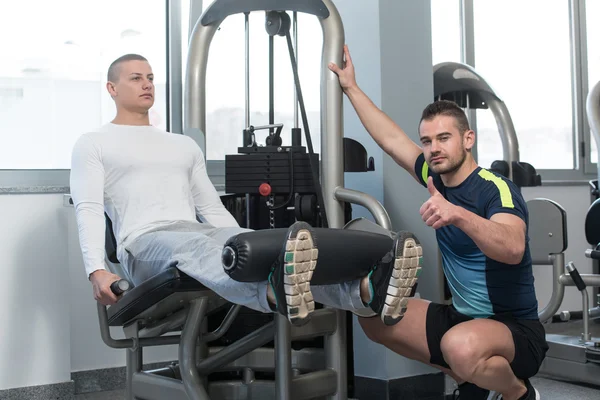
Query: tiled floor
(549, 390)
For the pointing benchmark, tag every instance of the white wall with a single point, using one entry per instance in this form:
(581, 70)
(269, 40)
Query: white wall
(34, 292)
(48, 315)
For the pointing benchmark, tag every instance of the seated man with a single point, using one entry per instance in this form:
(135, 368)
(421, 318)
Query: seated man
(154, 187)
(491, 335)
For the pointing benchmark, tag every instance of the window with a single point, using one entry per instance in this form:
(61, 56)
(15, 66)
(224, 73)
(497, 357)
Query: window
(225, 91)
(526, 61)
(593, 55)
(445, 31)
(52, 87)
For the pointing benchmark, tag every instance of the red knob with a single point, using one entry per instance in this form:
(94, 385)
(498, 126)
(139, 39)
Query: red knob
(264, 189)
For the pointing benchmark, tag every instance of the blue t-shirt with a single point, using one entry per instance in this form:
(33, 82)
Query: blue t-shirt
(481, 286)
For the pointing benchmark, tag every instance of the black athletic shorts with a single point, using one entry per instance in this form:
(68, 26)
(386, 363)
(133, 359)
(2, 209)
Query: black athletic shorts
(529, 338)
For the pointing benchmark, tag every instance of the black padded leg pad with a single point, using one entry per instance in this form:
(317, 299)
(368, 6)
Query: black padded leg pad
(344, 255)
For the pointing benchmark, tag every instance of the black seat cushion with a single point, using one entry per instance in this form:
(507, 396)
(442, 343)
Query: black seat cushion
(592, 223)
(147, 294)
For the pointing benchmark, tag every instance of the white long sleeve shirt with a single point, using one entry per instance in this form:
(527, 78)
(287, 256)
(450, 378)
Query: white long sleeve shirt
(144, 178)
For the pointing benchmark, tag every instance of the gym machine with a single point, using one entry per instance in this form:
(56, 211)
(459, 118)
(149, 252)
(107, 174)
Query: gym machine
(462, 84)
(221, 358)
(572, 354)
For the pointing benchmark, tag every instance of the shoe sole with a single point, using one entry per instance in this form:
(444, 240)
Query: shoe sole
(300, 261)
(408, 255)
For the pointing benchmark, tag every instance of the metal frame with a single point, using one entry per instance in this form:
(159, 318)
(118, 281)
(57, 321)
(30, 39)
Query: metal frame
(332, 173)
(196, 360)
(566, 357)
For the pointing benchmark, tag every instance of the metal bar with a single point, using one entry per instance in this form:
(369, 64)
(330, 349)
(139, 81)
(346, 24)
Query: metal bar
(508, 135)
(174, 68)
(295, 33)
(247, 63)
(467, 51)
(225, 325)
(261, 127)
(262, 359)
(133, 365)
(588, 279)
(168, 372)
(369, 202)
(241, 347)
(156, 387)
(105, 331)
(558, 289)
(192, 381)
(171, 323)
(195, 88)
(578, 97)
(283, 359)
(332, 172)
(585, 337)
(271, 82)
(314, 384)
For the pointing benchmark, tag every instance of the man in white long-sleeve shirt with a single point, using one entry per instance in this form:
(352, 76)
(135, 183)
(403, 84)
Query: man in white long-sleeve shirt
(154, 187)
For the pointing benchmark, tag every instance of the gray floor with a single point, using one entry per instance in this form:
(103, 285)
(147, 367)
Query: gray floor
(549, 390)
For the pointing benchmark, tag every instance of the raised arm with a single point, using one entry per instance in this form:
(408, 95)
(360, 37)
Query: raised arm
(386, 133)
(207, 201)
(87, 192)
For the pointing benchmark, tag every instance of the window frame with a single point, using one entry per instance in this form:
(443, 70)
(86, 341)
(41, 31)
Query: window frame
(38, 180)
(584, 169)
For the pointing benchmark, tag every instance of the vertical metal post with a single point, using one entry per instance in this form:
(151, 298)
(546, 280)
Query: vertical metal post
(271, 83)
(247, 46)
(467, 50)
(332, 172)
(283, 358)
(133, 364)
(295, 33)
(192, 381)
(247, 63)
(174, 68)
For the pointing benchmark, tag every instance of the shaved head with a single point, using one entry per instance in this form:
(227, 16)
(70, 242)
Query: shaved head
(113, 70)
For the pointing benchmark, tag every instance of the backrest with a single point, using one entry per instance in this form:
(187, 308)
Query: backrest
(110, 243)
(547, 230)
(592, 223)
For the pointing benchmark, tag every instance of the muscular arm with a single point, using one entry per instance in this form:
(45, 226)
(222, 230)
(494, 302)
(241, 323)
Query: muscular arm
(386, 133)
(501, 238)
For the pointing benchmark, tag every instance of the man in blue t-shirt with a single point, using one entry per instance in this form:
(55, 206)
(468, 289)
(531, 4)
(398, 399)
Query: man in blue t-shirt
(490, 338)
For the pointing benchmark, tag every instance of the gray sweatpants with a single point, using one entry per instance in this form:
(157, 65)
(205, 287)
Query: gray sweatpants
(195, 249)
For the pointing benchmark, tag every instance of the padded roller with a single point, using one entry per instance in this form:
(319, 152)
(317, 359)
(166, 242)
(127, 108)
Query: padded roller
(344, 255)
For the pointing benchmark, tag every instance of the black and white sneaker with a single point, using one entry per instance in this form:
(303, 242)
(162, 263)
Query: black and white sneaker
(394, 279)
(470, 391)
(531, 394)
(291, 274)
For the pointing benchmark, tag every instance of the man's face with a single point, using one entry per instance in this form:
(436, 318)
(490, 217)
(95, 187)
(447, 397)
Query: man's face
(134, 90)
(444, 147)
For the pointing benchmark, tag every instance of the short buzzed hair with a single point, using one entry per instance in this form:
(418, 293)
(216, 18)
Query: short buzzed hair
(447, 108)
(113, 70)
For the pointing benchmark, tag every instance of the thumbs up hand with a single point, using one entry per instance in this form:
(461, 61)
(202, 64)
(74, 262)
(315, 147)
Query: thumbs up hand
(437, 211)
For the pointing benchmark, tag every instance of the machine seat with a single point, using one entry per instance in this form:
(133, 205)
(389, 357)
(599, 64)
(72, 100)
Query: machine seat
(592, 224)
(156, 297)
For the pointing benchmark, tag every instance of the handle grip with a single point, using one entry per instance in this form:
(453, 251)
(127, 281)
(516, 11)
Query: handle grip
(593, 254)
(120, 286)
(575, 276)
